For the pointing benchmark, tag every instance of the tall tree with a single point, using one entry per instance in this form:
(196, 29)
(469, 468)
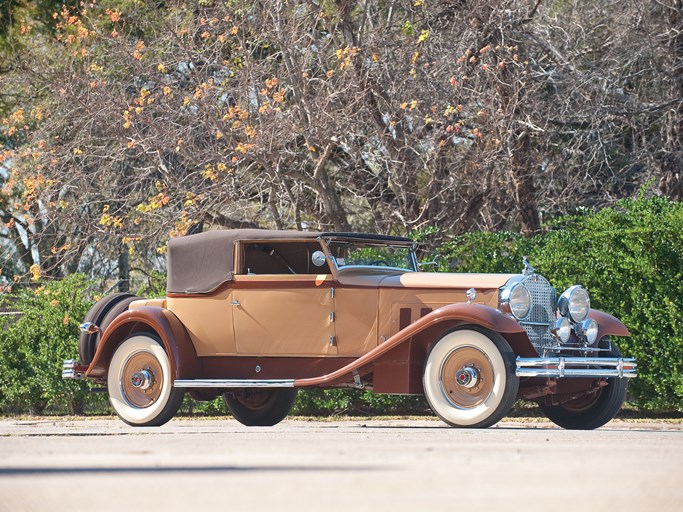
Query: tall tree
(134, 123)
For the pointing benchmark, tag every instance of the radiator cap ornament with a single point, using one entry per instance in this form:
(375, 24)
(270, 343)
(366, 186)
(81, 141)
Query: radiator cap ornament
(528, 269)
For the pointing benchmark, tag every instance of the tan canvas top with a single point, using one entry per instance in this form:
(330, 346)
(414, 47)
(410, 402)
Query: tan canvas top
(201, 263)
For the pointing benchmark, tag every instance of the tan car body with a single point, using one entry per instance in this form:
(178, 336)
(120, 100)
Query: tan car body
(373, 327)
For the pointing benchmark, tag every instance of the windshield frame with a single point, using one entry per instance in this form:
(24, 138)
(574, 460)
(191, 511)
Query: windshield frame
(328, 240)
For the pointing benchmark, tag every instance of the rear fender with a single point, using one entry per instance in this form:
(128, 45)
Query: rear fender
(153, 320)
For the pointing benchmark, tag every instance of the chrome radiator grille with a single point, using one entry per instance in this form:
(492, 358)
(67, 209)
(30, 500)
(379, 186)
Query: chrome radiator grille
(542, 314)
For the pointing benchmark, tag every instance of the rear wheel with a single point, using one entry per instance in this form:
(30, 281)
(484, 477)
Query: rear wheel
(469, 378)
(593, 410)
(260, 407)
(139, 382)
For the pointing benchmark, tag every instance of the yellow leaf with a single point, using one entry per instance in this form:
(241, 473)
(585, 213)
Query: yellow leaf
(35, 272)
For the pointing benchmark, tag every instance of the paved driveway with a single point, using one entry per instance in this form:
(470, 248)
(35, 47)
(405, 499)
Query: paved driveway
(417, 465)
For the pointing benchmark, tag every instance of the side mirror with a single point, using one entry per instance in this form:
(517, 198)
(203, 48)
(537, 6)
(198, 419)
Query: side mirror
(318, 258)
(434, 263)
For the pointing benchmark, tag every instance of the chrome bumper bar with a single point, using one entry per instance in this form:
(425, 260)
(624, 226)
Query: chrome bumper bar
(597, 367)
(73, 371)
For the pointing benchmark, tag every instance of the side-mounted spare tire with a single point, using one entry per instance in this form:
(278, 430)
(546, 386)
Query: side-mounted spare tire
(103, 313)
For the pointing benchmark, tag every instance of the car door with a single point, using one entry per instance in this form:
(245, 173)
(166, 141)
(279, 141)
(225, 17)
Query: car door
(280, 305)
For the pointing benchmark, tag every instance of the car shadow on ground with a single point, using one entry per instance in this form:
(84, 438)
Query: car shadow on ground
(93, 470)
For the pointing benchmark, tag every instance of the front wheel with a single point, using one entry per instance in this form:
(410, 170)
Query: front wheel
(139, 383)
(469, 378)
(593, 410)
(260, 407)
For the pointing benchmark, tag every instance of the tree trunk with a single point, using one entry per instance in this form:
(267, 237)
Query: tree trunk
(671, 156)
(124, 269)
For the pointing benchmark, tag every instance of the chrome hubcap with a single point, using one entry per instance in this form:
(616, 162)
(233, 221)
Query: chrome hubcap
(467, 377)
(141, 379)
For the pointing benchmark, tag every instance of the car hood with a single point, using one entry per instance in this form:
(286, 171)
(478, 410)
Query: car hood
(447, 280)
(435, 280)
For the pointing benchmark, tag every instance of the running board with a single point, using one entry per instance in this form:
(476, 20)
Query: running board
(233, 383)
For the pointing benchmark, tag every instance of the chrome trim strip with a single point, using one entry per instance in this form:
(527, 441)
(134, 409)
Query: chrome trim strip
(573, 367)
(233, 383)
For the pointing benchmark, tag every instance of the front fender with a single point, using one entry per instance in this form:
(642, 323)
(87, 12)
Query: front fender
(607, 324)
(154, 320)
(403, 354)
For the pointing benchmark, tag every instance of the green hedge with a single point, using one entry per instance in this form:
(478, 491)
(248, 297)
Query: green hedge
(629, 257)
(34, 344)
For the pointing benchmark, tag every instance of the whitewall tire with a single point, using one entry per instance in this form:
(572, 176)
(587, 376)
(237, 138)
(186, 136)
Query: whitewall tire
(139, 382)
(469, 378)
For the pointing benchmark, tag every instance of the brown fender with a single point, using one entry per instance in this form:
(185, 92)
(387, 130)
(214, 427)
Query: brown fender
(607, 324)
(154, 320)
(397, 352)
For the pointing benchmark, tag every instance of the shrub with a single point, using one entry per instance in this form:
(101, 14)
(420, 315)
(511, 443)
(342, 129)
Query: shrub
(482, 251)
(630, 259)
(352, 401)
(34, 345)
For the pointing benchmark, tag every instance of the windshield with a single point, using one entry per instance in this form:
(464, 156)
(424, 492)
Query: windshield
(387, 255)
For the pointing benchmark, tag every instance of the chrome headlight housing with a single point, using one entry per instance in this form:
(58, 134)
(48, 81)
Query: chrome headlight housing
(574, 303)
(516, 300)
(562, 329)
(588, 329)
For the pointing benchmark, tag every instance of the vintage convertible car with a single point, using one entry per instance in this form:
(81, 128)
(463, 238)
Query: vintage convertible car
(256, 315)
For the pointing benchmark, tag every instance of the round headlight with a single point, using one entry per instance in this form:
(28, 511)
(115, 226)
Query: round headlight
(562, 329)
(589, 329)
(518, 300)
(574, 302)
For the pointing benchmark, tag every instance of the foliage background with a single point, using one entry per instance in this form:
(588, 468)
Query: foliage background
(487, 130)
(124, 123)
(629, 257)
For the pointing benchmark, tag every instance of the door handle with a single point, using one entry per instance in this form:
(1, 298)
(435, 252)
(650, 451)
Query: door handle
(235, 303)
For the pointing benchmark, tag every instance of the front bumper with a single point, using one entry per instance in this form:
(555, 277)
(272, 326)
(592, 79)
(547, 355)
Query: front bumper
(590, 367)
